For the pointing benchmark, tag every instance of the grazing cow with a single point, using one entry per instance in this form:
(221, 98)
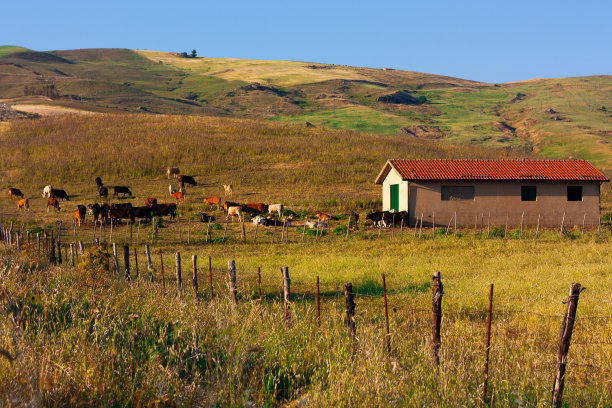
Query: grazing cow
(355, 218)
(79, 214)
(120, 211)
(187, 180)
(172, 189)
(228, 204)
(178, 196)
(213, 201)
(14, 192)
(47, 191)
(59, 194)
(259, 220)
(401, 218)
(99, 211)
(164, 209)
(323, 217)
(103, 191)
(99, 182)
(207, 218)
(172, 171)
(382, 218)
(315, 224)
(254, 208)
(234, 212)
(52, 202)
(150, 201)
(276, 208)
(142, 212)
(23, 203)
(229, 190)
(278, 223)
(121, 190)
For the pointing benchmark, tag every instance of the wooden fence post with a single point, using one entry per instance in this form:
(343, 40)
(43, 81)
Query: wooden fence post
(110, 237)
(116, 260)
(286, 294)
(81, 250)
(562, 224)
(350, 308)
(136, 262)
(161, 261)
(506, 226)
(211, 277)
(59, 251)
(72, 254)
(348, 226)
(583, 220)
(433, 225)
(225, 230)
(455, 232)
(565, 336)
(318, 303)
(487, 346)
(255, 233)
(388, 335)
(521, 231)
(489, 224)
(74, 230)
(138, 233)
(436, 317)
(153, 231)
(421, 226)
(189, 231)
(179, 282)
(538, 227)
(179, 230)
(38, 243)
(149, 262)
(208, 230)
(93, 238)
(304, 230)
(231, 272)
(126, 260)
(259, 282)
(194, 268)
(52, 252)
(243, 231)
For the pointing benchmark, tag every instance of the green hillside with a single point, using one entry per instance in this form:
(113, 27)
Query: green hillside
(552, 117)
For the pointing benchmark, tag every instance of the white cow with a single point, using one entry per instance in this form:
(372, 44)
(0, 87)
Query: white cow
(172, 171)
(315, 224)
(259, 220)
(276, 208)
(172, 189)
(229, 190)
(47, 191)
(234, 212)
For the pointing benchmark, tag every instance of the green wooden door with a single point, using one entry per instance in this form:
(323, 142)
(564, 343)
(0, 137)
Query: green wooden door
(394, 196)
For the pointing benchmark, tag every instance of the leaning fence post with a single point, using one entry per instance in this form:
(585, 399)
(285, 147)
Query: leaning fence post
(149, 262)
(136, 262)
(522, 217)
(161, 261)
(179, 282)
(565, 336)
(436, 317)
(231, 272)
(488, 346)
(194, 268)
(388, 335)
(126, 260)
(350, 308)
(562, 223)
(286, 294)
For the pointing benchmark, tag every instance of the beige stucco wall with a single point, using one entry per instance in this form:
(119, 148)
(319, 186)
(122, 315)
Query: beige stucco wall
(394, 178)
(502, 199)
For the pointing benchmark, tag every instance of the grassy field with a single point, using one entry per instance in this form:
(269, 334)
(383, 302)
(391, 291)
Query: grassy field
(555, 118)
(80, 340)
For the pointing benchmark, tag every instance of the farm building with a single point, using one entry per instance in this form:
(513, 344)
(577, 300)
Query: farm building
(475, 192)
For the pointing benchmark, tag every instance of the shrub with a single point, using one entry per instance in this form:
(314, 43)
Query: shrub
(422, 99)
(96, 264)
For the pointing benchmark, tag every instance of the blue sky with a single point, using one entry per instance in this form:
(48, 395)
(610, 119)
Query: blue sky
(493, 41)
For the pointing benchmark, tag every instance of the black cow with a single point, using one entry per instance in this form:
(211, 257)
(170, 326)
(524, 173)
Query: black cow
(164, 209)
(59, 194)
(187, 180)
(121, 190)
(98, 211)
(354, 217)
(383, 218)
(103, 191)
(401, 218)
(99, 182)
(142, 212)
(207, 218)
(120, 211)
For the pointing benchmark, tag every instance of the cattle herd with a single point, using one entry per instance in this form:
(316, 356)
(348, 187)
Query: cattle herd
(260, 213)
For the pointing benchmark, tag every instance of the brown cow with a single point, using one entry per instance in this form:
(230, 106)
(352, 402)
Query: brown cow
(322, 217)
(14, 192)
(178, 196)
(23, 203)
(213, 201)
(52, 202)
(151, 201)
(79, 214)
(255, 208)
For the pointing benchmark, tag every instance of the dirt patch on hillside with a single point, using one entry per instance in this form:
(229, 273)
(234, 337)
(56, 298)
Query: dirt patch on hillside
(50, 110)
(423, 132)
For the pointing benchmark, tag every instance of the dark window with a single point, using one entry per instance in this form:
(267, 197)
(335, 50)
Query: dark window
(574, 193)
(457, 193)
(528, 193)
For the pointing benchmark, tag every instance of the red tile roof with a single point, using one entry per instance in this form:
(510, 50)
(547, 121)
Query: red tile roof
(508, 170)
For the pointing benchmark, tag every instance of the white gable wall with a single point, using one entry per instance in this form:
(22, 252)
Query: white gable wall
(394, 178)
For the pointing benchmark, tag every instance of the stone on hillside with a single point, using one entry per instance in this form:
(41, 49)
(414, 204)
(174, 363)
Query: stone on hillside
(399, 98)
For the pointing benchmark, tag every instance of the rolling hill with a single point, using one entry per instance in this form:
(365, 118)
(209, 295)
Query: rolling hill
(565, 117)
